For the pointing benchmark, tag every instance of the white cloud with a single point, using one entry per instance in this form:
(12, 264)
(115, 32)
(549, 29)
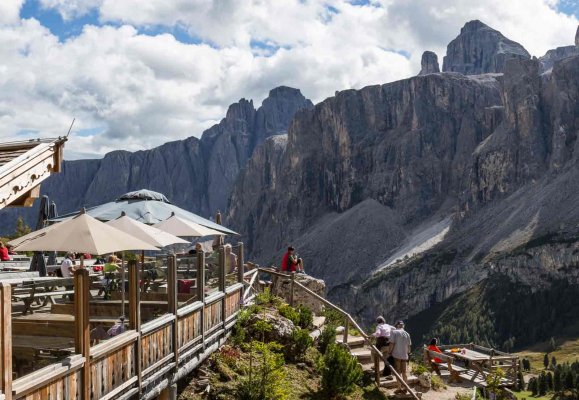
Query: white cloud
(10, 11)
(143, 90)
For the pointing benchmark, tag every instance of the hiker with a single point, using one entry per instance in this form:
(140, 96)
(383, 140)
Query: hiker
(382, 335)
(231, 261)
(290, 262)
(400, 349)
(4, 252)
(433, 346)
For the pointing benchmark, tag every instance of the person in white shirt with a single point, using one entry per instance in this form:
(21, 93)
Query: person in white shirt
(67, 267)
(382, 336)
(400, 349)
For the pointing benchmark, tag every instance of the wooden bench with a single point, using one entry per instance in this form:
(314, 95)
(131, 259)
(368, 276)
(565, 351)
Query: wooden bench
(54, 325)
(447, 363)
(32, 291)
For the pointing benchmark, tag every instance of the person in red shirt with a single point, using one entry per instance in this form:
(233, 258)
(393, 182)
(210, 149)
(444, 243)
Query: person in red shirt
(433, 346)
(290, 263)
(4, 253)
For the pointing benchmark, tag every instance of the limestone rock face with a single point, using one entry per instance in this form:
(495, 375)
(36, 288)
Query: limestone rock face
(281, 331)
(480, 49)
(196, 174)
(560, 53)
(318, 286)
(577, 37)
(429, 63)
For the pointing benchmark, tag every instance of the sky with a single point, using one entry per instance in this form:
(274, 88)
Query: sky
(138, 73)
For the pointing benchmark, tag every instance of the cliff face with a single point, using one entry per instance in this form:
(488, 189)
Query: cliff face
(406, 196)
(196, 174)
(480, 49)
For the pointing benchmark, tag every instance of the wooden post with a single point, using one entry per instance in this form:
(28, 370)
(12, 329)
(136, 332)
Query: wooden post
(222, 267)
(292, 288)
(240, 263)
(135, 315)
(201, 291)
(346, 329)
(6, 340)
(82, 328)
(172, 300)
(377, 371)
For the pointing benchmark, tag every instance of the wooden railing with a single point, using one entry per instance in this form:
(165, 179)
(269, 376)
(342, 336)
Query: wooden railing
(348, 322)
(147, 359)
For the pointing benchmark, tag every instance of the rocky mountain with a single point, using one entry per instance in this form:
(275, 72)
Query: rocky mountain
(429, 63)
(196, 174)
(479, 49)
(435, 197)
(548, 60)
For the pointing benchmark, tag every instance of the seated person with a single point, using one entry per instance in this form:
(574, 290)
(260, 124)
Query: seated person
(11, 250)
(111, 266)
(231, 261)
(290, 262)
(433, 346)
(67, 267)
(4, 253)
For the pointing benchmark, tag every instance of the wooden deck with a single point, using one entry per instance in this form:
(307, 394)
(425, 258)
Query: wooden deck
(143, 362)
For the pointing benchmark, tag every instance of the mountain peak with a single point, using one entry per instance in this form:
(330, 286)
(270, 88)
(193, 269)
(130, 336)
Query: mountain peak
(480, 49)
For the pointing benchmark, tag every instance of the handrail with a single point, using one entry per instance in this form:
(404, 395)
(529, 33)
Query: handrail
(351, 320)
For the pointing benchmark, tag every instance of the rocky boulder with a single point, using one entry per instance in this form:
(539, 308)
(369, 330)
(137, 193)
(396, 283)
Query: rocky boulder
(318, 286)
(281, 328)
(429, 63)
(479, 49)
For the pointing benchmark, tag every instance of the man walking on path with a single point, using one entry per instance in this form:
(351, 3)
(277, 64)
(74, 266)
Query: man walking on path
(400, 349)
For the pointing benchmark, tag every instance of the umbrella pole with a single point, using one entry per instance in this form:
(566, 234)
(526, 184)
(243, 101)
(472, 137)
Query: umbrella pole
(123, 287)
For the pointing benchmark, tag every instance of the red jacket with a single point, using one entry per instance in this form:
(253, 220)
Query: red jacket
(4, 254)
(286, 264)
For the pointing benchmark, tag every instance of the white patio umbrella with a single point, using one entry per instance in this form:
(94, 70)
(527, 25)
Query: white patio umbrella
(179, 226)
(149, 234)
(82, 234)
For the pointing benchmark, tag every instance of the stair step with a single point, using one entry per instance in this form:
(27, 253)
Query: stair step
(392, 383)
(363, 355)
(319, 321)
(353, 341)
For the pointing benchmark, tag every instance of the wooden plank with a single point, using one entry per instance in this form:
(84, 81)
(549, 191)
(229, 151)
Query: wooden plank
(6, 340)
(135, 317)
(240, 262)
(82, 338)
(201, 291)
(173, 305)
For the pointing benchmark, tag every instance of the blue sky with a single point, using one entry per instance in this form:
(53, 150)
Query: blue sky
(135, 77)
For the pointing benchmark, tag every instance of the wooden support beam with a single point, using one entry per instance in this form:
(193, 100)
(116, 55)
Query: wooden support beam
(292, 288)
(346, 329)
(82, 336)
(135, 316)
(201, 291)
(6, 340)
(240, 262)
(173, 303)
(222, 267)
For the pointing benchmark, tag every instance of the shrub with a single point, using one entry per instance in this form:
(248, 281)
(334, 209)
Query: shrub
(264, 378)
(333, 317)
(327, 337)
(299, 344)
(437, 383)
(305, 317)
(418, 369)
(267, 298)
(340, 371)
(289, 312)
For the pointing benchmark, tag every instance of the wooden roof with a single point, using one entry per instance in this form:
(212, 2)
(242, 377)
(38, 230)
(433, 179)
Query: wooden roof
(24, 165)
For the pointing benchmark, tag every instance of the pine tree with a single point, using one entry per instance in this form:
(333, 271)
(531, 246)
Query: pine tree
(546, 360)
(553, 362)
(569, 381)
(21, 228)
(549, 381)
(557, 383)
(552, 344)
(542, 384)
(521, 381)
(533, 386)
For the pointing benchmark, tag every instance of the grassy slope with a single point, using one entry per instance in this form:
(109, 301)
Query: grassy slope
(567, 351)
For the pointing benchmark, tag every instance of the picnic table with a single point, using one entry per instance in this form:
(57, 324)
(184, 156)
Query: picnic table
(43, 289)
(473, 359)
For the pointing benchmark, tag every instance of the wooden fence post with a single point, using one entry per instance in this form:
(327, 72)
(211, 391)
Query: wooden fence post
(82, 327)
(240, 262)
(6, 340)
(173, 303)
(135, 315)
(377, 372)
(201, 291)
(346, 329)
(292, 288)
(222, 268)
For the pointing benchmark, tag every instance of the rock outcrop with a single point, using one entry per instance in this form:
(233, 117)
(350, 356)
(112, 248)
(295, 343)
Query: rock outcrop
(560, 53)
(480, 49)
(196, 174)
(429, 63)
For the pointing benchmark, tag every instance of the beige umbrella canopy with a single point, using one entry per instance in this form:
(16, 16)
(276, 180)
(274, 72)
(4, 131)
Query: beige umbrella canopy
(149, 234)
(182, 227)
(83, 234)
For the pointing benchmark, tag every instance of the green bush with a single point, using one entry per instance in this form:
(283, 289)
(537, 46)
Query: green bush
(299, 344)
(333, 317)
(327, 337)
(239, 334)
(267, 298)
(418, 369)
(437, 383)
(306, 317)
(264, 379)
(289, 312)
(340, 371)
